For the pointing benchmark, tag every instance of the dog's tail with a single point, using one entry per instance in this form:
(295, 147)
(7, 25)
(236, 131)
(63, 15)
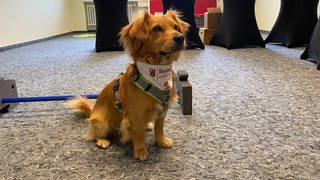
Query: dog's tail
(82, 104)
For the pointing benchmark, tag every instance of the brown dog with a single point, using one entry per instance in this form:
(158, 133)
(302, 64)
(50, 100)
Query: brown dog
(154, 43)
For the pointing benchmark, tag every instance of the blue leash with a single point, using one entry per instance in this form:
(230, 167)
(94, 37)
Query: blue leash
(45, 98)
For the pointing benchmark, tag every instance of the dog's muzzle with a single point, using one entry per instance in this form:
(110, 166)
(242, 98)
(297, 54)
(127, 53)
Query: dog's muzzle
(179, 45)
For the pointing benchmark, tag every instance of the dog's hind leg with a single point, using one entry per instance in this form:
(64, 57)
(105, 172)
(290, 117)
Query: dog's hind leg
(98, 131)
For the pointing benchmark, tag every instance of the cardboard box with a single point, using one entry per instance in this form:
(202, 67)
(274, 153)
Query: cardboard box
(212, 20)
(206, 35)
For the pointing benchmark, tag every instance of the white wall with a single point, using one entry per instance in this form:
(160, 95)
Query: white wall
(27, 20)
(78, 18)
(267, 12)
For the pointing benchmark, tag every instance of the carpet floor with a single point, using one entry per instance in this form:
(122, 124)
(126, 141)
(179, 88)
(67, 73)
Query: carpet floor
(256, 115)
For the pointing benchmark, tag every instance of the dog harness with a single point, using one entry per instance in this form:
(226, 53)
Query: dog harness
(162, 96)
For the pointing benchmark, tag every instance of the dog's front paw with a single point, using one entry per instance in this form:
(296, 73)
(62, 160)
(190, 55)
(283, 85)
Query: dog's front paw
(165, 142)
(103, 143)
(141, 153)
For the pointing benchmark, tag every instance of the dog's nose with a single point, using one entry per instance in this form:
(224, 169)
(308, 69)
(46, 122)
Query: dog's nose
(179, 39)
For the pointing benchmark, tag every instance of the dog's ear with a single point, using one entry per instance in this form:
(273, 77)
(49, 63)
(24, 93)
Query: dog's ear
(175, 15)
(136, 31)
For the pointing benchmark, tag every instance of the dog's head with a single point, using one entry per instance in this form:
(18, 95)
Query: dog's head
(155, 39)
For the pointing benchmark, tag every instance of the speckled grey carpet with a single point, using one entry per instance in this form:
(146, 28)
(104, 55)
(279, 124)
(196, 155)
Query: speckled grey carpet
(256, 115)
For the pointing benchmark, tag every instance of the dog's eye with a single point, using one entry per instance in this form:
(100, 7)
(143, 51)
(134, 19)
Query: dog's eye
(157, 29)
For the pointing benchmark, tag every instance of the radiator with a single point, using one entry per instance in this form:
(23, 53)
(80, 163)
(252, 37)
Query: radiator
(91, 13)
(132, 10)
(90, 16)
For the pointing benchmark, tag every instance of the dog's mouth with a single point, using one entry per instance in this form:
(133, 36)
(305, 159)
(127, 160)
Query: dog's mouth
(175, 49)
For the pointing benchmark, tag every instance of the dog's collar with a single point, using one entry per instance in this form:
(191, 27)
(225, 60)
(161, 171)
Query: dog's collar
(142, 82)
(157, 75)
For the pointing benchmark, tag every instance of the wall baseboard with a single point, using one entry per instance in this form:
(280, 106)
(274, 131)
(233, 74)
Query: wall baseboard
(5, 48)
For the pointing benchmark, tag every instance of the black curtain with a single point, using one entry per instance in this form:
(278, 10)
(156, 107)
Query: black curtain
(312, 51)
(238, 26)
(295, 23)
(111, 16)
